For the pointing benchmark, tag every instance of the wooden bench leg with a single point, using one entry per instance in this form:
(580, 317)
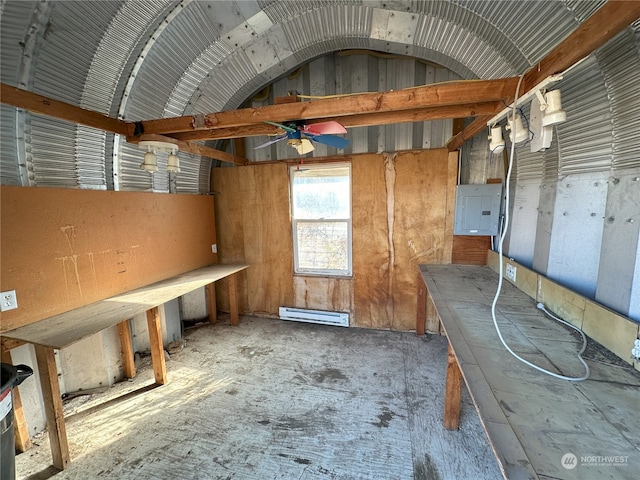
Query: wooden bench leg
(211, 301)
(126, 346)
(421, 316)
(453, 388)
(157, 350)
(53, 406)
(233, 300)
(21, 432)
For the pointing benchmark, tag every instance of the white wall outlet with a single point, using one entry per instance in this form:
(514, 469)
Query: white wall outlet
(214, 248)
(510, 272)
(8, 300)
(635, 351)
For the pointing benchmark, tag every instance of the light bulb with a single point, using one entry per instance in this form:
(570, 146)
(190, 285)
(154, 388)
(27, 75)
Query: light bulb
(173, 162)
(515, 123)
(553, 113)
(150, 162)
(496, 144)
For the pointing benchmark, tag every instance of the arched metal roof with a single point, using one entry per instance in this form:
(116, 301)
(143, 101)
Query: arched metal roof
(156, 58)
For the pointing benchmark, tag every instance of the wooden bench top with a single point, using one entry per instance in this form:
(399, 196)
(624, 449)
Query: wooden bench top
(531, 419)
(64, 329)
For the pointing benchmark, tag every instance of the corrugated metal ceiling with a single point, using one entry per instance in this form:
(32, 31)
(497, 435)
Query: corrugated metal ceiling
(160, 58)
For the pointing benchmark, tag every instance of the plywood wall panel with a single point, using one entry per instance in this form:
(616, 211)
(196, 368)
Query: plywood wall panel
(400, 204)
(65, 248)
(255, 228)
(400, 221)
(420, 226)
(371, 243)
(332, 294)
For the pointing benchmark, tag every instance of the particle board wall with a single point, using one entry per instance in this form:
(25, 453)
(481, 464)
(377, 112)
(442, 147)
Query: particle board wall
(400, 219)
(65, 248)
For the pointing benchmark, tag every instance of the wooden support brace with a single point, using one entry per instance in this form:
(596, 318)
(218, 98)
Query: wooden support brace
(53, 406)
(233, 300)
(21, 431)
(211, 302)
(453, 389)
(157, 350)
(421, 316)
(126, 347)
(433, 324)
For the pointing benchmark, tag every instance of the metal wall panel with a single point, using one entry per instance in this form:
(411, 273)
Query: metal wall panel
(620, 243)
(585, 138)
(620, 63)
(576, 239)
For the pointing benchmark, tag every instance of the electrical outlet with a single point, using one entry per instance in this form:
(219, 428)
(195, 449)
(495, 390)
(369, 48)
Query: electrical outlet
(510, 272)
(8, 300)
(214, 248)
(635, 351)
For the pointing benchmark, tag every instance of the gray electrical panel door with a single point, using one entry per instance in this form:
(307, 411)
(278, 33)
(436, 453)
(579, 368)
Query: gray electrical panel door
(478, 209)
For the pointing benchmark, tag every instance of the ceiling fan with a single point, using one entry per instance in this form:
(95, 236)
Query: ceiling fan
(300, 136)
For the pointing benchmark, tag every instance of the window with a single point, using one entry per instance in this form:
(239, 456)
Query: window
(321, 214)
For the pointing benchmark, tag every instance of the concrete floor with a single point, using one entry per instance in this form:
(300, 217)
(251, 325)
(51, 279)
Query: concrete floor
(277, 400)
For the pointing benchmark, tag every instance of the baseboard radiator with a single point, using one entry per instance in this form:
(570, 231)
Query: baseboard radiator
(339, 319)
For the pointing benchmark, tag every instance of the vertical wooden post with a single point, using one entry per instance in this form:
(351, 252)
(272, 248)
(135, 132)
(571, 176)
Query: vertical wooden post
(126, 347)
(21, 431)
(421, 316)
(211, 302)
(233, 299)
(453, 389)
(53, 406)
(157, 349)
(432, 321)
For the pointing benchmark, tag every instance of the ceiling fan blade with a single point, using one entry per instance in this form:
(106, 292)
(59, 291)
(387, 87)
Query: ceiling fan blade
(271, 142)
(324, 128)
(331, 140)
(283, 127)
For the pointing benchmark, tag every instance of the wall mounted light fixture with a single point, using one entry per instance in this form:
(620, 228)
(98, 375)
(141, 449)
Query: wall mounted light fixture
(496, 144)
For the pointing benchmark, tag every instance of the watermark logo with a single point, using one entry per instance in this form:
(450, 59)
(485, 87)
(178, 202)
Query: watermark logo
(569, 461)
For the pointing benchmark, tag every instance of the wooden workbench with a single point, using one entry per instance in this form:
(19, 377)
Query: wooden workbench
(532, 420)
(65, 329)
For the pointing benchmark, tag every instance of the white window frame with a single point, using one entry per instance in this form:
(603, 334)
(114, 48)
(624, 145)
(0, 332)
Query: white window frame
(294, 223)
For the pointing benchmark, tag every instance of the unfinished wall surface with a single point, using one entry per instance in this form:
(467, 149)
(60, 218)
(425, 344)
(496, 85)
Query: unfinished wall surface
(63, 248)
(401, 218)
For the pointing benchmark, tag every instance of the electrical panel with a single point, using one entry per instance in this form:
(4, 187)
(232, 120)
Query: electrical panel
(478, 209)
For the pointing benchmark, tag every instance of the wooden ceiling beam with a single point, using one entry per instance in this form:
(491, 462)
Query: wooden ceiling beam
(444, 94)
(194, 148)
(64, 111)
(608, 21)
(361, 120)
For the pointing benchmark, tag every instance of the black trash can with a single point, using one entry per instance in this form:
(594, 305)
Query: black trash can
(11, 377)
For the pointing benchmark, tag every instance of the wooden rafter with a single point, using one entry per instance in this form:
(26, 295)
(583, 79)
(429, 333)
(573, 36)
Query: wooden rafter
(361, 120)
(609, 20)
(436, 95)
(65, 111)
